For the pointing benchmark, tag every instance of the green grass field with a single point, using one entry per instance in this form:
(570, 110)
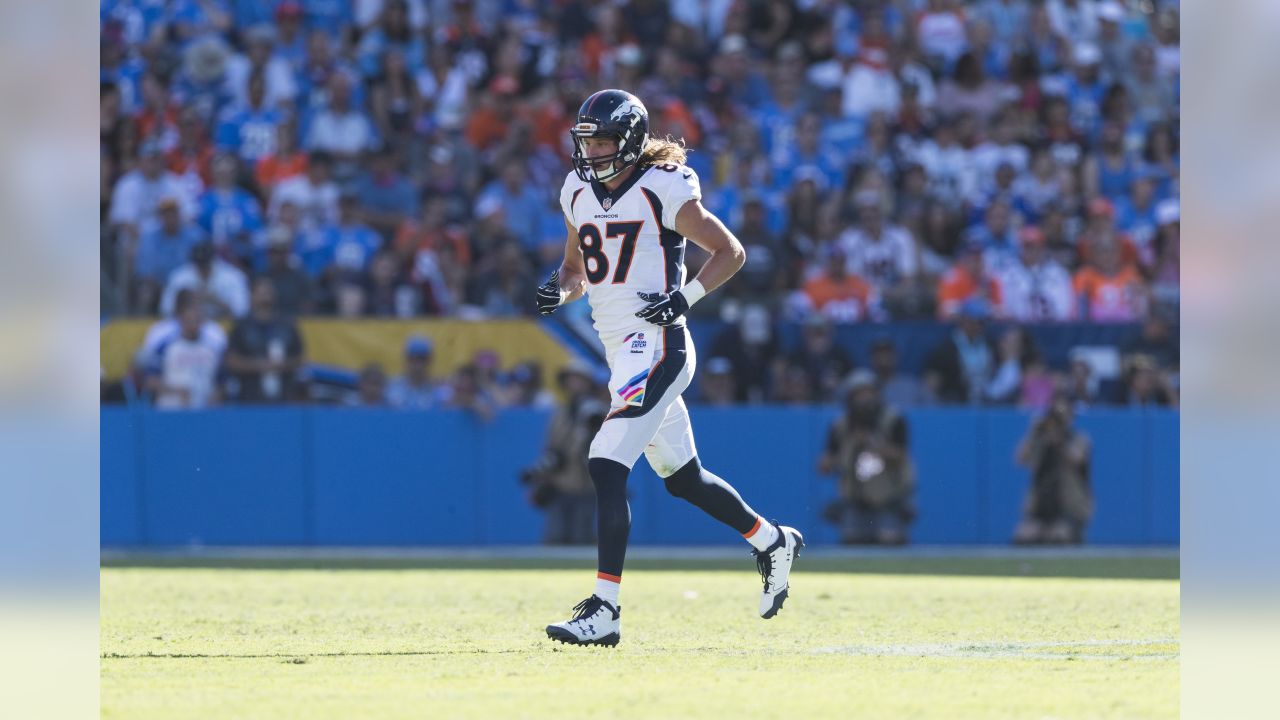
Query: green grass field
(880, 637)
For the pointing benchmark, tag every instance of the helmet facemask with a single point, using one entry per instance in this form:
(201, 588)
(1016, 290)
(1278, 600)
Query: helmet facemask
(605, 167)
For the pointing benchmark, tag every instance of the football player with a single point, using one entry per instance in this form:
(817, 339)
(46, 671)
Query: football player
(629, 206)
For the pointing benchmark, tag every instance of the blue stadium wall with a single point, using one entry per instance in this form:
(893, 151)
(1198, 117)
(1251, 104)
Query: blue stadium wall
(324, 476)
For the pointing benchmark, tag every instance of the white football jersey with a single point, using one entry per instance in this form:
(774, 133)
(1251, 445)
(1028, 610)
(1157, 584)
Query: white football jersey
(628, 241)
(882, 262)
(1034, 294)
(189, 364)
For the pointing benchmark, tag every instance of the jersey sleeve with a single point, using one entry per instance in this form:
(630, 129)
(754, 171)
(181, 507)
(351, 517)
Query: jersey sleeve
(682, 187)
(567, 190)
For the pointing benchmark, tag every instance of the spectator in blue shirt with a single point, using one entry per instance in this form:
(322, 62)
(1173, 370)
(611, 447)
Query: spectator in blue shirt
(778, 118)
(352, 242)
(1136, 215)
(1002, 188)
(317, 67)
(291, 42)
(841, 133)
(522, 204)
(1085, 90)
(310, 245)
(163, 250)
(1153, 95)
(250, 131)
(331, 16)
(248, 13)
(202, 84)
(1111, 168)
(116, 67)
(805, 152)
(1034, 191)
(229, 215)
(386, 195)
(725, 200)
(1043, 41)
(134, 19)
(190, 19)
(1161, 159)
(1117, 109)
(745, 85)
(416, 389)
(1008, 19)
(745, 178)
(996, 235)
(393, 31)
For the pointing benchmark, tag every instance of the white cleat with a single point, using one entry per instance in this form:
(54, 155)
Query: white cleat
(774, 565)
(595, 622)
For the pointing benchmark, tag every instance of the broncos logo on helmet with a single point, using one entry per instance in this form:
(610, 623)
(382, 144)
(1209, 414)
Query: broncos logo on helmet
(611, 114)
(627, 108)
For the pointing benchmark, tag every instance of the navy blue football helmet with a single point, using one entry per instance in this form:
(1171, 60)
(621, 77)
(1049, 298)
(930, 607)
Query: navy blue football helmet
(613, 114)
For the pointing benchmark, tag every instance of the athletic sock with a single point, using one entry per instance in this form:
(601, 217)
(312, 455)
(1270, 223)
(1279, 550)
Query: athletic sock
(607, 587)
(763, 535)
(613, 524)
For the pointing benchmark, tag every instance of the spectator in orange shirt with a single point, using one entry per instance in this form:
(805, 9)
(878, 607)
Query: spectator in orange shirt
(191, 158)
(967, 280)
(487, 126)
(600, 47)
(549, 119)
(1110, 289)
(286, 162)
(437, 255)
(674, 118)
(158, 118)
(431, 231)
(840, 295)
(1101, 225)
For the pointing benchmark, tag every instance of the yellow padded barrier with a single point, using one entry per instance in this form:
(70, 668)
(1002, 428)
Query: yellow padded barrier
(355, 343)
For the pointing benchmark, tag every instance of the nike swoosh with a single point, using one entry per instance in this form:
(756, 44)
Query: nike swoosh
(686, 177)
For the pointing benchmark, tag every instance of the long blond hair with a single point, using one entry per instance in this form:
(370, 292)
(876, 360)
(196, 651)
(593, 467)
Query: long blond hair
(664, 151)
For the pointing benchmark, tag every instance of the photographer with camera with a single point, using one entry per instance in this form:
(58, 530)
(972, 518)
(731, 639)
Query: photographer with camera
(1060, 500)
(558, 482)
(867, 448)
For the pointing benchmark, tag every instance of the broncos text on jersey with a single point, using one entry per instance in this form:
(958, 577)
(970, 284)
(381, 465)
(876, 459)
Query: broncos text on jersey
(628, 240)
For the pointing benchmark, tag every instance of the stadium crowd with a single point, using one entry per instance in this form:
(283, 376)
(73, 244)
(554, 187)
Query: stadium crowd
(994, 160)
